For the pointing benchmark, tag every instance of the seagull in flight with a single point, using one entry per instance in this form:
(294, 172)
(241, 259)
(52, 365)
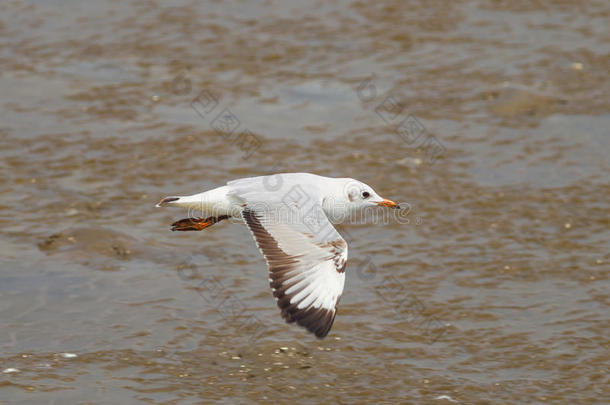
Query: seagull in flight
(291, 217)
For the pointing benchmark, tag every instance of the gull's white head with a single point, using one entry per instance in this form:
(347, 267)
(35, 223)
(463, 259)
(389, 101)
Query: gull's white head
(348, 195)
(358, 195)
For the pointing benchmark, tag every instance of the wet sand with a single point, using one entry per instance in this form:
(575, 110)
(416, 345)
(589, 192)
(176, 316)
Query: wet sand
(490, 119)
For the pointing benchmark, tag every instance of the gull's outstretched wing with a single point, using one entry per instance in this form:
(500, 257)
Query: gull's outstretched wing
(306, 275)
(305, 254)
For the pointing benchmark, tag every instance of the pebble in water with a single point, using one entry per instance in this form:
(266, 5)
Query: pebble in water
(447, 397)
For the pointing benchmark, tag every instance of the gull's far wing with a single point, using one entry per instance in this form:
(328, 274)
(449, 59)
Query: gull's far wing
(305, 254)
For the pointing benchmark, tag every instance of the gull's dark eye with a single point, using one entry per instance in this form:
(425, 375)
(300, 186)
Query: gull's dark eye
(366, 194)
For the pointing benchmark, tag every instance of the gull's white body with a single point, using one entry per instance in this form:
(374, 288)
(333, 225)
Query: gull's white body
(290, 216)
(228, 200)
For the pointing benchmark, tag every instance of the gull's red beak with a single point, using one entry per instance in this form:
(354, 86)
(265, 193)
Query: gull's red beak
(387, 203)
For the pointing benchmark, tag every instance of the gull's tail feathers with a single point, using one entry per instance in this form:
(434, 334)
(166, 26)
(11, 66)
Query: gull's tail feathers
(192, 201)
(212, 203)
(167, 201)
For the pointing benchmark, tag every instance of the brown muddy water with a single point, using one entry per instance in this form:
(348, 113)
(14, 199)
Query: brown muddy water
(491, 119)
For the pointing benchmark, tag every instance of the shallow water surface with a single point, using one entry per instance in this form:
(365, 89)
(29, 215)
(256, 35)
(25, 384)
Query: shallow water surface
(490, 119)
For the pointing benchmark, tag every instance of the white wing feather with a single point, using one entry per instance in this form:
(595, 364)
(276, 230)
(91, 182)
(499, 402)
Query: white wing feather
(305, 254)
